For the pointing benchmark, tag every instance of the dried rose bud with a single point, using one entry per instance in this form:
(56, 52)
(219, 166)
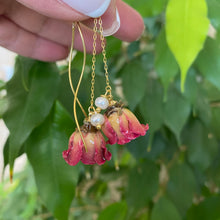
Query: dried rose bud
(121, 125)
(96, 147)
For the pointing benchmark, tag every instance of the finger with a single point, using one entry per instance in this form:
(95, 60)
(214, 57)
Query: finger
(132, 25)
(51, 29)
(27, 44)
(110, 20)
(122, 21)
(68, 9)
(60, 10)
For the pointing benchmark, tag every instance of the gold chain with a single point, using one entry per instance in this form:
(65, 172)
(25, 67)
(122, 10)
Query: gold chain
(108, 88)
(91, 108)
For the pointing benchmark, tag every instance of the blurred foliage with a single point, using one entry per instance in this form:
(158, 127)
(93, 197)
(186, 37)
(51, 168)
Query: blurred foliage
(171, 173)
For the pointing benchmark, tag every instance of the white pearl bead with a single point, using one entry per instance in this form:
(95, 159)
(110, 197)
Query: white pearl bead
(97, 119)
(102, 102)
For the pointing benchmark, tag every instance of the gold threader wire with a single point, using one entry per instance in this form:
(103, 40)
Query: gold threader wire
(80, 79)
(70, 61)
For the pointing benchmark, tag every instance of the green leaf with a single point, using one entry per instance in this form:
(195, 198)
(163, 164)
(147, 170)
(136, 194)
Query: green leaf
(208, 62)
(191, 87)
(165, 209)
(213, 171)
(186, 30)
(148, 8)
(6, 153)
(114, 211)
(2, 85)
(133, 49)
(56, 180)
(151, 106)
(212, 92)
(30, 95)
(165, 62)
(142, 184)
(176, 112)
(201, 149)
(213, 12)
(113, 46)
(138, 147)
(202, 108)
(20, 199)
(216, 121)
(206, 210)
(3, 106)
(181, 187)
(134, 79)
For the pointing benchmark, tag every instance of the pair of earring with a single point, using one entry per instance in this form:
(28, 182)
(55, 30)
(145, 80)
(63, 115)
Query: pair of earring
(109, 118)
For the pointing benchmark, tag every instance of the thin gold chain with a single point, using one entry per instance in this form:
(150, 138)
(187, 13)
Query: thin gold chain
(91, 108)
(108, 88)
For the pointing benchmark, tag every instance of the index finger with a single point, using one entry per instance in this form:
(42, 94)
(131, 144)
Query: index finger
(61, 10)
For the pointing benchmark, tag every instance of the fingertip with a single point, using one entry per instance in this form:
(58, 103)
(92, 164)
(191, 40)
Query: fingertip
(132, 24)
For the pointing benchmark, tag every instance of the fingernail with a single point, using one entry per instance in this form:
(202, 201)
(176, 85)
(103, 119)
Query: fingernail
(114, 27)
(91, 8)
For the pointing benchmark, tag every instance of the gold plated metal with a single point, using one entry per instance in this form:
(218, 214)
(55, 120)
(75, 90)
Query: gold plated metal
(108, 89)
(91, 107)
(69, 72)
(75, 92)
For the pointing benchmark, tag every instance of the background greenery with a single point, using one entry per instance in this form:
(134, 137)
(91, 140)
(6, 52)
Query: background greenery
(170, 78)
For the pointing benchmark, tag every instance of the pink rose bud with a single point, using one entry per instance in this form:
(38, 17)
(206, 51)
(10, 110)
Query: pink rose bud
(96, 147)
(121, 125)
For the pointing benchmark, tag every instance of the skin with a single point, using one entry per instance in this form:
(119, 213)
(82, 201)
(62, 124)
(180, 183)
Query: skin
(42, 29)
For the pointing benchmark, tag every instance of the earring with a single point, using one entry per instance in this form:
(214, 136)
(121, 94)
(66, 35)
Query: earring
(119, 125)
(87, 143)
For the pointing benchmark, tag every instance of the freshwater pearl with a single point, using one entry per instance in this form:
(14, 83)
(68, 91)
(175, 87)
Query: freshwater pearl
(102, 102)
(97, 119)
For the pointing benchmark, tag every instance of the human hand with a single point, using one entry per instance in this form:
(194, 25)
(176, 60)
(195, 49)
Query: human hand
(42, 29)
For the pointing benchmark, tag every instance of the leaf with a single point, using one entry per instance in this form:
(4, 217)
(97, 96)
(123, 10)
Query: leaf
(186, 29)
(200, 148)
(181, 187)
(113, 46)
(191, 92)
(138, 147)
(56, 180)
(20, 199)
(151, 106)
(132, 49)
(3, 106)
(6, 153)
(206, 210)
(215, 123)
(2, 85)
(145, 176)
(165, 62)
(212, 173)
(176, 112)
(114, 211)
(134, 79)
(208, 62)
(213, 12)
(202, 108)
(148, 8)
(212, 92)
(165, 209)
(30, 95)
